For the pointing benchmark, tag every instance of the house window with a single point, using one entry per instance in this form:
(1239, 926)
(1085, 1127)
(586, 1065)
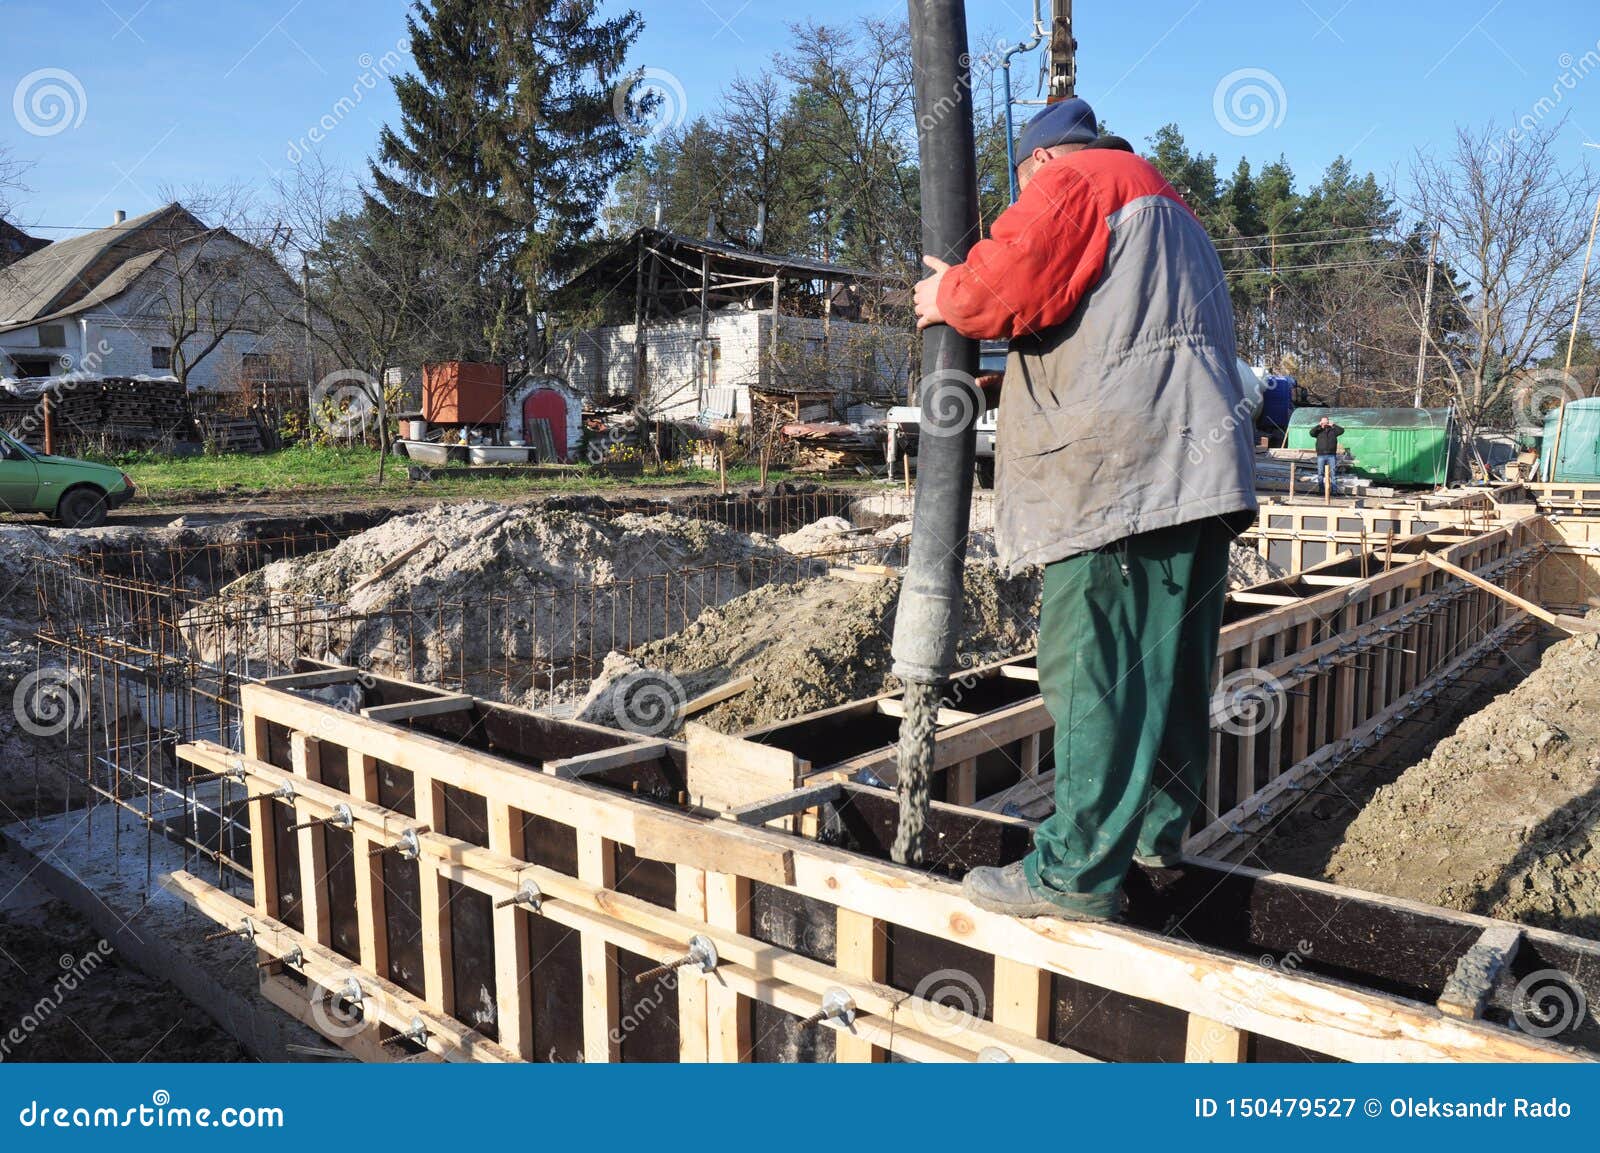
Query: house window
(256, 367)
(52, 336)
(161, 357)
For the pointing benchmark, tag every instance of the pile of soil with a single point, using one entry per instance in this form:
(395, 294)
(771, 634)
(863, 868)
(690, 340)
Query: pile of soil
(817, 643)
(1503, 819)
(492, 585)
(1248, 568)
(823, 642)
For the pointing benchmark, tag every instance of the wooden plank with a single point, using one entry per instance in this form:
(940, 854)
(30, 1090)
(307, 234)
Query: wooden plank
(321, 678)
(726, 772)
(694, 1042)
(1573, 625)
(388, 1002)
(727, 1013)
(393, 565)
(411, 710)
(703, 847)
(597, 864)
(1021, 997)
(861, 949)
(896, 707)
(1213, 1042)
(787, 805)
(438, 982)
(306, 755)
(604, 759)
(713, 697)
(513, 963)
(371, 928)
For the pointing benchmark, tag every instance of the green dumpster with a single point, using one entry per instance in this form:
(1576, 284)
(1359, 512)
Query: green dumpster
(1402, 446)
(1580, 443)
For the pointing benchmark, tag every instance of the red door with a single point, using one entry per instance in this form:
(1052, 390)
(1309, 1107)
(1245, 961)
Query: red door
(550, 406)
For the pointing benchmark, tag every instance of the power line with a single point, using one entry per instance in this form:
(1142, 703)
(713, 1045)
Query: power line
(1297, 244)
(1266, 271)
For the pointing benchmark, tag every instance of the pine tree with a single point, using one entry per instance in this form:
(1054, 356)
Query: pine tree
(507, 143)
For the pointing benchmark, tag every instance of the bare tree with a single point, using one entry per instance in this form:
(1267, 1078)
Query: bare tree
(206, 281)
(1512, 218)
(854, 134)
(11, 170)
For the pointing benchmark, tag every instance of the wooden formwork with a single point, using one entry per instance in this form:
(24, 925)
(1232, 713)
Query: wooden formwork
(616, 875)
(1298, 537)
(486, 884)
(1569, 580)
(1331, 656)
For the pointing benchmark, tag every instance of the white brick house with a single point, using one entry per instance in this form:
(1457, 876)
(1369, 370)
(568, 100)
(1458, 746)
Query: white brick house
(158, 295)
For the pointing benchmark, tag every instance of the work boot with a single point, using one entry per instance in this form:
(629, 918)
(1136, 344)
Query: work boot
(1007, 890)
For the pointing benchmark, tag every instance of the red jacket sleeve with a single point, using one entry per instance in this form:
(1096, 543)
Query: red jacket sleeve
(1044, 253)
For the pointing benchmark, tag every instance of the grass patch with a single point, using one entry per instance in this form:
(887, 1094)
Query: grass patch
(353, 471)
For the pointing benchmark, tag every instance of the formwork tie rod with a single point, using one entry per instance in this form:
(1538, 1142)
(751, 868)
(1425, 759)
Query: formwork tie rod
(837, 1005)
(294, 958)
(408, 846)
(340, 818)
(528, 894)
(702, 952)
(245, 932)
(417, 1034)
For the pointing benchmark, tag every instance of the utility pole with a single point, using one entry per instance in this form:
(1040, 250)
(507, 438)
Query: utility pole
(1427, 318)
(1063, 55)
(1583, 284)
(1572, 344)
(305, 322)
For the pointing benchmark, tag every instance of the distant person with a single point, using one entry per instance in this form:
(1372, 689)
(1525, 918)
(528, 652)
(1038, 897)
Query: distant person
(1327, 434)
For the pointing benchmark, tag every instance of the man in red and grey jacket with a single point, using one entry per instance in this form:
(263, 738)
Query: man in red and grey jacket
(1126, 469)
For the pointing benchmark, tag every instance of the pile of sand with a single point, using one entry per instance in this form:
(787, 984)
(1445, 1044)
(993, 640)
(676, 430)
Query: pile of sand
(1504, 818)
(490, 588)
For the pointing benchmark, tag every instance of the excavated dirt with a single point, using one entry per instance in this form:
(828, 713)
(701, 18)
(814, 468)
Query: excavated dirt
(822, 642)
(817, 643)
(1248, 568)
(1503, 818)
(492, 587)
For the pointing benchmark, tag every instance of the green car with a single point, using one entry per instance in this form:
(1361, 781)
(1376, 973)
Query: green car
(75, 492)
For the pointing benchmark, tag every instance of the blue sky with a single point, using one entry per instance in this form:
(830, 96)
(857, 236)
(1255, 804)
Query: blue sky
(175, 93)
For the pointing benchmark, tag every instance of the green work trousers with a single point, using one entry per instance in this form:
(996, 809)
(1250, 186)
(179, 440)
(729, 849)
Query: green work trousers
(1127, 648)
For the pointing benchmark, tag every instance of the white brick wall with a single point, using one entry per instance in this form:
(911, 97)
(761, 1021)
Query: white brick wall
(600, 362)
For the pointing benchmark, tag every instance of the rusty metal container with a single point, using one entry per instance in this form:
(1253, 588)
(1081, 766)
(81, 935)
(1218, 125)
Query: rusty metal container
(460, 392)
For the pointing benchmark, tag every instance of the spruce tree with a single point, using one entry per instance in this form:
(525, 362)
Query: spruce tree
(507, 143)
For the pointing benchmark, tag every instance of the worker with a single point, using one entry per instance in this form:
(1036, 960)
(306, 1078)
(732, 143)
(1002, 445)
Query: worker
(1125, 469)
(1327, 434)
